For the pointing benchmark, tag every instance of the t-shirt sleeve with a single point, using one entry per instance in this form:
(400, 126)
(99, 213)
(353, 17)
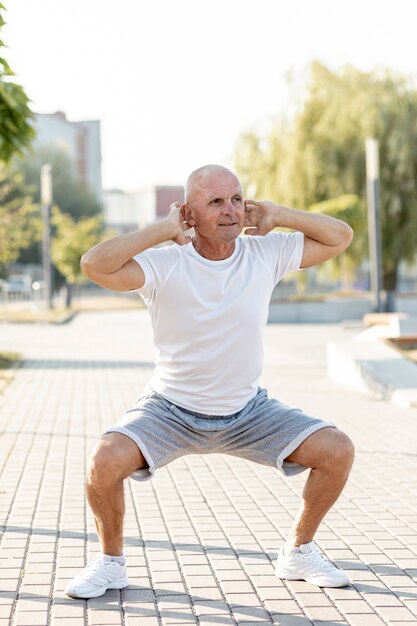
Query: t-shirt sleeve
(156, 264)
(282, 252)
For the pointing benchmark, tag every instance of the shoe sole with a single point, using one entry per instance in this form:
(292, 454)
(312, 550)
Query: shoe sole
(120, 584)
(311, 581)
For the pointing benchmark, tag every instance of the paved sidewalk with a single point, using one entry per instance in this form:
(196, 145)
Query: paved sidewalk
(202, 536)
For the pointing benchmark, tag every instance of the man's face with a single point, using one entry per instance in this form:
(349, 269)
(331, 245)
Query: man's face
(217, 208)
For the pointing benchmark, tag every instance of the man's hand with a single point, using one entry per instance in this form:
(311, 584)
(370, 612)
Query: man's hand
(111, 264)
(324, 237)
(179, 225)
(261, 216)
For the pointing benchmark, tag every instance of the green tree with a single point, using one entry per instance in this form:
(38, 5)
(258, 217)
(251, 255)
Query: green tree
(71, 195)
(70, 241)
(323, 152)
(20, 221)
(19, 216)
(348, 208)
(16, 131)
(259, 161)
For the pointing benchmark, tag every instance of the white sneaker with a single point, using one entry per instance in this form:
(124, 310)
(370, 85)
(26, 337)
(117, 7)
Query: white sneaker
(99, 575)
(311, 565)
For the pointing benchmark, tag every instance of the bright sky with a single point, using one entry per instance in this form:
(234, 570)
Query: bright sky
(174, 82)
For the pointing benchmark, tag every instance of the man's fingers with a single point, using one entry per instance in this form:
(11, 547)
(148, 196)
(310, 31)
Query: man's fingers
(257, 231)
(251, 209)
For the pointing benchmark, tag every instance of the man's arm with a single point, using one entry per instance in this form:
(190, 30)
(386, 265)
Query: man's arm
(324, 236)
(110, 264)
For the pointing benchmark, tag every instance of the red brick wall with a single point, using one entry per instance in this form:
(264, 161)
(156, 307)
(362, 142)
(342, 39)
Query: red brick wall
(165, 196)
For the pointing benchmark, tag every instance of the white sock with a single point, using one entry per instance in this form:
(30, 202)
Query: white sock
(119, 559)
(290, 547)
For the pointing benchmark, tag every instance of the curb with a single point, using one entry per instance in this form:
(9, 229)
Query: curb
(374, 368)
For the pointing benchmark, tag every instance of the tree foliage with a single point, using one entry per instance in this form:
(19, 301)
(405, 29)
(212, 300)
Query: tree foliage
(16, 131)
(20, 220)
(71, 195)
(70, 241)
(350, 209)
(322, 153)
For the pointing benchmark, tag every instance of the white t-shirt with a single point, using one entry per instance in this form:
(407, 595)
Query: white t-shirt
(208, 318)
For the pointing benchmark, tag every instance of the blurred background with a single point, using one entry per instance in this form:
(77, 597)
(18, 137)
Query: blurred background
(116, 103)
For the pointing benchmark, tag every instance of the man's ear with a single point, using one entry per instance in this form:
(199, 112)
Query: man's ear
(187, 213)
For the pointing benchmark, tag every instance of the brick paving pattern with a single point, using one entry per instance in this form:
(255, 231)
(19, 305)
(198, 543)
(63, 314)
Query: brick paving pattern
(202, 536)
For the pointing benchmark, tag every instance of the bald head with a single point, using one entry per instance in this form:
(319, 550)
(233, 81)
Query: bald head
(198, 179)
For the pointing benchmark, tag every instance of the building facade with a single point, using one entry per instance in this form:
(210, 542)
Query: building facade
(129, 210)
(80, 140)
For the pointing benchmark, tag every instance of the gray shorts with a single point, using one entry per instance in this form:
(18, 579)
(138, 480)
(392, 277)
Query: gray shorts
(265, 431)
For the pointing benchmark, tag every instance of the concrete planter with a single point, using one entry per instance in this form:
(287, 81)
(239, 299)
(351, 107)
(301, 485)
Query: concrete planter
(307, 311)
(406, 303)
(331, 310)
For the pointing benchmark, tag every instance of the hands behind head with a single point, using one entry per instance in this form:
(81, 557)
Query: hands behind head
(179, 224)
(261, 216)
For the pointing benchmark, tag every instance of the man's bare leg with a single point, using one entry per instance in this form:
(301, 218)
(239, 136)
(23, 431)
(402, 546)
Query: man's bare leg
(112, 460)
(330, 454)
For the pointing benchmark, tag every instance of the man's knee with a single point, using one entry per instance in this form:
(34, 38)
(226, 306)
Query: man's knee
(339, 451)
(113, 458)
(327, 447)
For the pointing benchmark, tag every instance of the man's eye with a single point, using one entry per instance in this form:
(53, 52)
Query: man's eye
(237, 199)
(216, 201)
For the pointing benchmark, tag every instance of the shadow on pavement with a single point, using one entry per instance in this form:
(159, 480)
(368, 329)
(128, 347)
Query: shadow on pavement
(137, 541)
(83, 364)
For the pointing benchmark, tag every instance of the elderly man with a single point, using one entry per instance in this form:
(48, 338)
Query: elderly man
(208, 298)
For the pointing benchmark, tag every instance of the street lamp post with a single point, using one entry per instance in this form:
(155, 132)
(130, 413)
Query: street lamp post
(374, 222)
(46, 202)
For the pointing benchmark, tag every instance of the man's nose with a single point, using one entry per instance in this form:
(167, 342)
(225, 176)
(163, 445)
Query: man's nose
(228, 206)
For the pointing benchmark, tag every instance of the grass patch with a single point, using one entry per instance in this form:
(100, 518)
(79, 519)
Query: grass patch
(55, 316)
(8, 361)
(60, 315)
(319, 297)
(108, 303)
(407, 349)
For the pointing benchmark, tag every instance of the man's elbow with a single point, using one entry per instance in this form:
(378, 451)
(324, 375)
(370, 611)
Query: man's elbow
(85, 264)
(347, 235)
